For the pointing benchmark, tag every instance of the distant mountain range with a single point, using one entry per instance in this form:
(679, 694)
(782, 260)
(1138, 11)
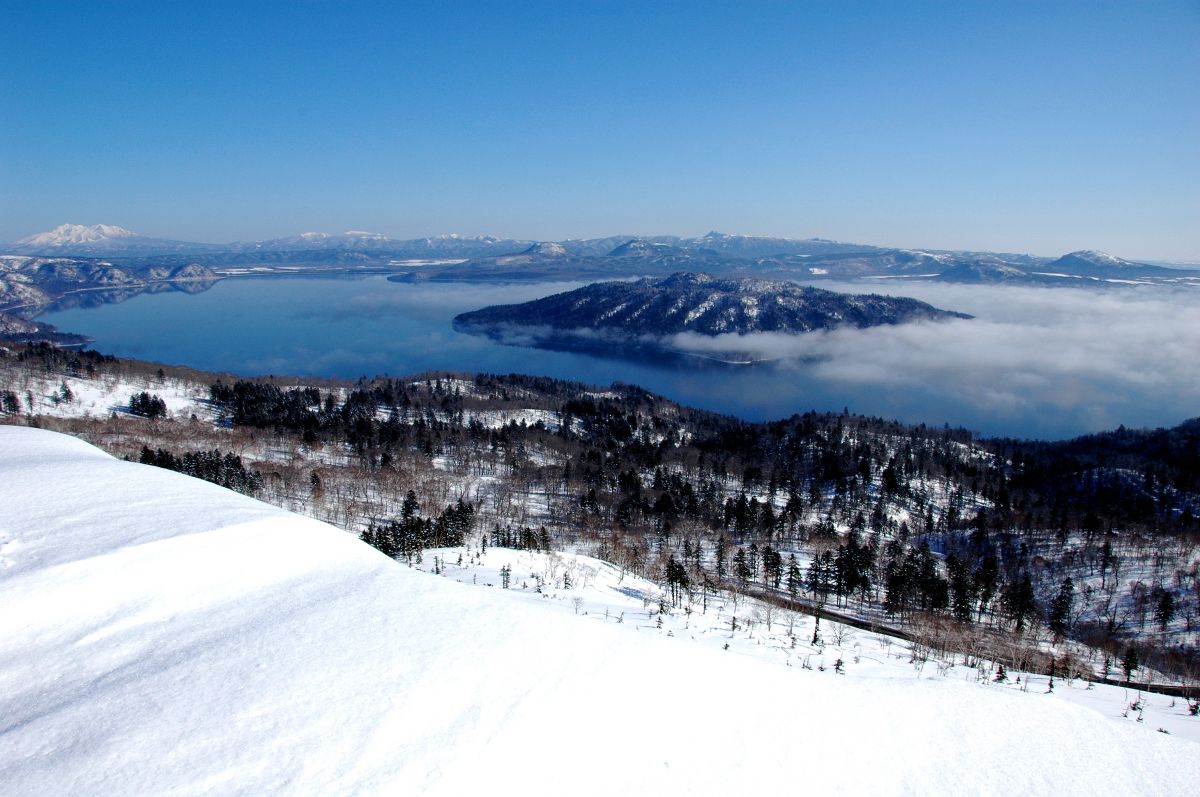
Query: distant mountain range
(104, 240)
(101, 240)
(648, 312)
(474, 258)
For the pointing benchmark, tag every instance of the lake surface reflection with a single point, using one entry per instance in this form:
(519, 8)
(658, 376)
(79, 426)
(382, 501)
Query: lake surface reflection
(365, 326)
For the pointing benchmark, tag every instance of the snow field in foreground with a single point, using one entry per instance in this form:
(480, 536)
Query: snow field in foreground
(600, 593)
(162, 634)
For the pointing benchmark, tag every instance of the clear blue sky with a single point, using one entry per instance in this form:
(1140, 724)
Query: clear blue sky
(1039, 127)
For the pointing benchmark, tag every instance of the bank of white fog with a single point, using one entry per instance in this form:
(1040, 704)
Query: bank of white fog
(1098, 353)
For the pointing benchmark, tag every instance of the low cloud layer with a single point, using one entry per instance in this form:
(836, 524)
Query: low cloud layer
(1106, 355)
(1034, 361)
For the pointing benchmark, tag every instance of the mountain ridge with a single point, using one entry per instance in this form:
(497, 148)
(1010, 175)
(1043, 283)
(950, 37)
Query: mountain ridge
(469, 258)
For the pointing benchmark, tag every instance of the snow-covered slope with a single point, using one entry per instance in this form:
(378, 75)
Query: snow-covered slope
(160, 634)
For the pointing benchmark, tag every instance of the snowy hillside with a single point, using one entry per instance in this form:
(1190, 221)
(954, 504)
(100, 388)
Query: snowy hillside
(162, 634)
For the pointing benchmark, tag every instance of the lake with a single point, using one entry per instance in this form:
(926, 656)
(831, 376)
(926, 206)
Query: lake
(352, 326)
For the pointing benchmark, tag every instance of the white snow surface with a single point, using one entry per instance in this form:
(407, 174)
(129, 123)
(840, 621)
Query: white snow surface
(65, 234)
(163, 635)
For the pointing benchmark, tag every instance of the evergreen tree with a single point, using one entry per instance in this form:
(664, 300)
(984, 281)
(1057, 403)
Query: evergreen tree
(986, 579)
(410, 507)
(677, 579)
(1019, 601)
(795, 581)
(1129, 663)
(721, 556)
(741, 568)
(962, 588)
(1164, 609)
(1060, 608)
(821, 575)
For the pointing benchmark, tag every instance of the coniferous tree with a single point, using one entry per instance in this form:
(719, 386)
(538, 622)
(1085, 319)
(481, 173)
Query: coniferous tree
(962, 588)
(1130, 663)
(677, 579)
(741, 568)
(795, 581)
(1164, 609)
(1060, 609)
(721, 556)
(1019, 600)
(986, 579)
(410, 507)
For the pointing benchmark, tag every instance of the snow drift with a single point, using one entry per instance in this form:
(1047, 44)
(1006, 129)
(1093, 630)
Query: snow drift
(160, 634)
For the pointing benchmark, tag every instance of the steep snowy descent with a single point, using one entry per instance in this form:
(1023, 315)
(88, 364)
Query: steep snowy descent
(162, 634)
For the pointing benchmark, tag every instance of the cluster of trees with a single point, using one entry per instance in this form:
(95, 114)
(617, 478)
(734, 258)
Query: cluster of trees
(843, 573)
(265, 405)
(226, 470)
(73, 362)
(915, 581)
(410, 535)
(147, 405)
(523, 538)
(677, 580)
(1121, 477)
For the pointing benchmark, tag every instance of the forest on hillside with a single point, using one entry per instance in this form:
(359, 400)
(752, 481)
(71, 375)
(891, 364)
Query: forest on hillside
(903, 527)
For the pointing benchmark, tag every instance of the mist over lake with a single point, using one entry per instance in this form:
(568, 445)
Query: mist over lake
(1035, 362)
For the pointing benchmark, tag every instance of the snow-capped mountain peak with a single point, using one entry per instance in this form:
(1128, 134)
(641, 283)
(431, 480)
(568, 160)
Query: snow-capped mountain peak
(1095, 256)
(547, 248)
(69, 234)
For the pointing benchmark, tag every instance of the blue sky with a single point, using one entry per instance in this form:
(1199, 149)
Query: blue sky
(1040, 127)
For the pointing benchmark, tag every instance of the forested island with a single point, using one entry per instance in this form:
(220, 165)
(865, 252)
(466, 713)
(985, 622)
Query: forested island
(660, 314)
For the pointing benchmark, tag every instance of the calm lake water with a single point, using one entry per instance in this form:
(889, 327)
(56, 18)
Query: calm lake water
(365, 326)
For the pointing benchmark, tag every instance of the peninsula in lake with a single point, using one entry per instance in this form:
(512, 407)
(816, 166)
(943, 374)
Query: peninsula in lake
(664, 315)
